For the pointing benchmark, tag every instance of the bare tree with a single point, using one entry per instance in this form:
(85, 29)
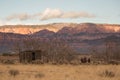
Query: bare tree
(112, 50)
(54, 50)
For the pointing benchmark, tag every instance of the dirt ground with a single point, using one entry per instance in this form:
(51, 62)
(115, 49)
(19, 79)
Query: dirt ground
(59, 72)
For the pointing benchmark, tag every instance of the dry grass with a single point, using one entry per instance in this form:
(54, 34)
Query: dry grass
(59, 72)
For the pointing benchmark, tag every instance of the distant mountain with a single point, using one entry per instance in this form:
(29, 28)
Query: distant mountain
(90, 28)
(30, 29)
(81, 37)
(7, 40)
(44, 33)
(111, 38)
(56, 27)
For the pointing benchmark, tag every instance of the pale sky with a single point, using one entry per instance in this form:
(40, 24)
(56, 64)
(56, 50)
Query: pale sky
(56, 11)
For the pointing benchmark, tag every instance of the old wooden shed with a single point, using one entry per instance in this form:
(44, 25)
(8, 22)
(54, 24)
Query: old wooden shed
(30, 56)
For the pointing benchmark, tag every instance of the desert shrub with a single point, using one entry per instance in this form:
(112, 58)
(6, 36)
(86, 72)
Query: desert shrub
(6, 54)
(39, 75)
(75, 62)
(37, 62)
(14, 72)
(1, 72)
(9, 62)
(114, 62)
(107, 73)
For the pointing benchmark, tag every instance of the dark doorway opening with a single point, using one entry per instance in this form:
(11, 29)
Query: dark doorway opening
(33, 56)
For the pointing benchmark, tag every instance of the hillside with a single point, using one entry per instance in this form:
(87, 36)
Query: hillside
(81, 37)
(55, 27)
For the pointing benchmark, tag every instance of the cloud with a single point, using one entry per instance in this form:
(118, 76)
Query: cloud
(73, 14)
(57, 13)
(3, 22)
(22, 16)
(51, 14)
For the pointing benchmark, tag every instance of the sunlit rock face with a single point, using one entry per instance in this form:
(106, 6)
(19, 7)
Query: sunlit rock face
(29, 29)
(56, 27)
(24, 29)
